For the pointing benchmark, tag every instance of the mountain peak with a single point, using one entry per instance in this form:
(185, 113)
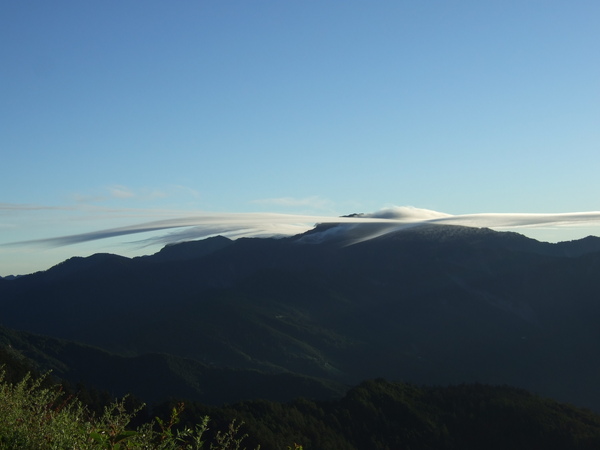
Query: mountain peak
(191, 249)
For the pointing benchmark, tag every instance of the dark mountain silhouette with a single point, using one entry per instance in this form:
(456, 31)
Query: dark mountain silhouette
(431, 304)
(191, 250)
(152, 377)
(379, 414)
(9, 277)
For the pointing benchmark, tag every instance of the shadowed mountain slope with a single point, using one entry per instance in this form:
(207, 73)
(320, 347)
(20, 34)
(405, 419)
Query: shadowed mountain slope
(152, 377)
(379, 414)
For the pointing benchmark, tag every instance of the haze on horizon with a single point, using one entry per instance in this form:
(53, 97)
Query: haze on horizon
(118, 115)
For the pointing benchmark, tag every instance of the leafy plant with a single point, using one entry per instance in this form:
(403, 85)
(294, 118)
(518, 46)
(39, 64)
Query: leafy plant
(35, 417)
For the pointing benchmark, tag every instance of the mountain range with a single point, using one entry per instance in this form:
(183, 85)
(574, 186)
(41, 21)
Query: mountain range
(222, 320)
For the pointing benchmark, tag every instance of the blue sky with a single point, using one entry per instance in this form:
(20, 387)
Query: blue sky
(114, 114)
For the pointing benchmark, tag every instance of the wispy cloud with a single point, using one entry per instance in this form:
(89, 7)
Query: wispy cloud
(201, 225)
(410, 217)
(271, 224)
(491, 220)
(16, 207)
(186, 190)
(119, 191)
(314, 202)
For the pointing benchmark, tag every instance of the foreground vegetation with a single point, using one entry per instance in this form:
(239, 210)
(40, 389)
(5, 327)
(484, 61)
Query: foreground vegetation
(35, 414)
(36, 417)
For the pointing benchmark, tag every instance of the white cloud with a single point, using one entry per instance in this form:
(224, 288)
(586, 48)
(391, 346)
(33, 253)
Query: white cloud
(314, 201)
(270, 224)
(408, 213)
(186, 190)
(16, 207)
(119, 191)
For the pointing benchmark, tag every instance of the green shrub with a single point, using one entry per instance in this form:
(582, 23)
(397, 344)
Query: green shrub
(35, 417)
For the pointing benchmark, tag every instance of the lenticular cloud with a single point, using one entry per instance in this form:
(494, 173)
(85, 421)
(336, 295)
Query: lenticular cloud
(235, 225)
(490, 220)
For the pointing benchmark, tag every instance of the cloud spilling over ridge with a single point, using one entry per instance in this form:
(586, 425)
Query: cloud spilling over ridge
(235, 225)
(404, 217)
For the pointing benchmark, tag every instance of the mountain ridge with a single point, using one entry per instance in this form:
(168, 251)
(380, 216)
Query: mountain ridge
(156, 377)
(436, 304)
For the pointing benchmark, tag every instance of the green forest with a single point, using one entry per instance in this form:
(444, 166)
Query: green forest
(39, 412)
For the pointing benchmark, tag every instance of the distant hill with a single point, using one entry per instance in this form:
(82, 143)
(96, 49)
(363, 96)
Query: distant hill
(9, 277)
(152, 377)
(431, 304)
(379, 414)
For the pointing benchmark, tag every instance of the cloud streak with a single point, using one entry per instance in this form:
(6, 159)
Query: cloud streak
(16, 207)
(410, 217)
(237, 225)
(492, 220)
(312, 202)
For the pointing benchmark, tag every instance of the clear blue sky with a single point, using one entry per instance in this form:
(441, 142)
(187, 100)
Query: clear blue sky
(114, 113)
